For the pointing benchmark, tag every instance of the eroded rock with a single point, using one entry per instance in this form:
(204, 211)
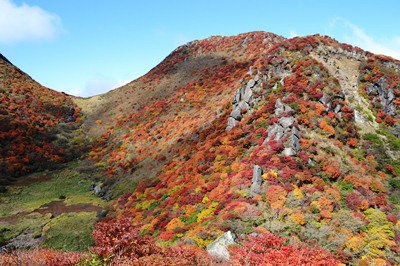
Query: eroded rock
(218, 248)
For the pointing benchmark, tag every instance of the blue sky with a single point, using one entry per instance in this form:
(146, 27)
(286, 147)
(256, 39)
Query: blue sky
(87, 47)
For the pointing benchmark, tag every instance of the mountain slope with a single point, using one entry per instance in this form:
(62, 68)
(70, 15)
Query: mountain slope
(254, 134)
(304, 143)
(30, 117)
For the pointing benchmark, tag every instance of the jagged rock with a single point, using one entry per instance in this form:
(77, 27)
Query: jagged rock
(98, 189)
(279, 109)
(390, 96)
(359, 118)
(236, 97)
(371, 89)
(101, 214)
(338, 108)
(247, 95)
(296, 132)
(231, 123)
(325, 99)
(256, 181)
(251, 83)
(289, 152)
(390, 109)
(277, 131)
(218, 248)
(294, 141)
(236, 114)
(243, 105)
(286, 122)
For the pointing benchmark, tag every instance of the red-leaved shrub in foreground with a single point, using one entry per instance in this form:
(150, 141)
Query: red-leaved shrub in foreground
(268, 249)
(121, 244)
(42, 257)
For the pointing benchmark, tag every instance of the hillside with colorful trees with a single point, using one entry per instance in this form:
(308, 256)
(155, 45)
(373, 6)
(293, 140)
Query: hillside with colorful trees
(290, 145)
(30, 118)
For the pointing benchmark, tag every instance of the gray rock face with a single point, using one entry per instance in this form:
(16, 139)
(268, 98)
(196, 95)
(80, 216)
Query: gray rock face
(218, 248)
(286, 122)
(231, 123)
(236, 114)
(256, 181)
(285, 127)
(380, 92)
(243, 99)
(289, 152)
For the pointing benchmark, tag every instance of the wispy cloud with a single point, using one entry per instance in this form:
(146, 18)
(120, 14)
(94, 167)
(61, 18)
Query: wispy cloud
(292, 34)
(355, 35)
(26, 23)
(97, 84)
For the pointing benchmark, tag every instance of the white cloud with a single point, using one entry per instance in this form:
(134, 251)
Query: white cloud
(97, 84)
(356, 36)
(292, 34)
(26, 23)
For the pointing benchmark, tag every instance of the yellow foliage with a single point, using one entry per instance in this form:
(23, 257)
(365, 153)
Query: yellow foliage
(205, 199)
(175, 207)
(175, 223)
(271, 173)
(208, 212)
(298, 218)
(244, 193)
(379, 233)
(355, 244)
(202, 243)
(298, 193)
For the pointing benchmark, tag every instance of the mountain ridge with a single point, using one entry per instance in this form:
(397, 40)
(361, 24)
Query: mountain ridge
(253, 133)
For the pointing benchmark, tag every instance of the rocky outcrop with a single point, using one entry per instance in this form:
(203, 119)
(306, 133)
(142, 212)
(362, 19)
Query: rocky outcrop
(285, 127)
(381, 94)
(256, 181)
(218, 248)
(243, 100)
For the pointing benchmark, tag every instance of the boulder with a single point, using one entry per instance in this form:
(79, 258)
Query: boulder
(338, 108)
(279, 108)
(286, 122)
(218, 248)
(325, 99)
(289, 152)
(236, 114)
(236, 97)
(231, 123)
(256, 181)
(247, 95)
(251, 83)
(294, 142)
(296, 132)
(243, 105)
(390, 96)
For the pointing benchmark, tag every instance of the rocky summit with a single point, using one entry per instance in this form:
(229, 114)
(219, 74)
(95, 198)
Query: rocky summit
(243, 150)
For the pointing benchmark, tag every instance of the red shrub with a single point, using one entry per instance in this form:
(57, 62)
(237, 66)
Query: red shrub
(268, 249)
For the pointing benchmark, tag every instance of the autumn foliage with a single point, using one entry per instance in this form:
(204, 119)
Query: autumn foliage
(190, 180)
